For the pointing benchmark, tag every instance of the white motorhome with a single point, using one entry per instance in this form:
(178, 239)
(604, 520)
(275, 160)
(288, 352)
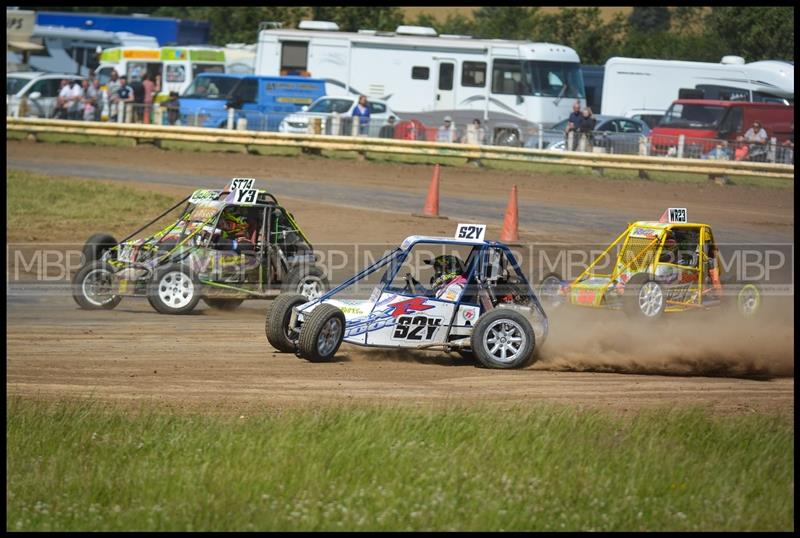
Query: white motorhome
(513, 86)
(644, 87)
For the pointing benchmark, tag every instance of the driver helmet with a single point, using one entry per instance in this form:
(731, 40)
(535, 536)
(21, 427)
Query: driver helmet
(445, 268)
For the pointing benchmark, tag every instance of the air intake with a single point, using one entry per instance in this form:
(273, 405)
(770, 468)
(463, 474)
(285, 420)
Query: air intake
(325, 26)
(416, 30)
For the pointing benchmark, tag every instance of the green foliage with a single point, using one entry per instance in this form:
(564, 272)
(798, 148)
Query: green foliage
(582, 29)
(75, 466)
(763, 33)
(505, 22)
(649, 19)
(353, 18)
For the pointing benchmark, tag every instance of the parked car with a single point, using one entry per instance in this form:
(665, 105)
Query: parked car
(615, 133)
(327, 107)
(704, 122)
(39, 90)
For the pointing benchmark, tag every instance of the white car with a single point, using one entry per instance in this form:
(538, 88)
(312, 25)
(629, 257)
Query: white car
(39, 89)
(479, 305)
(327, 108)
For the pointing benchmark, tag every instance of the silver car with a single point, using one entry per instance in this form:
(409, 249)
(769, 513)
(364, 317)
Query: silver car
(615, 133)
(40, 91)
(327, 108)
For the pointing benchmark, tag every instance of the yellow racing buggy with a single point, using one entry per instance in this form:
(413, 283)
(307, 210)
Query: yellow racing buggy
(652, 268)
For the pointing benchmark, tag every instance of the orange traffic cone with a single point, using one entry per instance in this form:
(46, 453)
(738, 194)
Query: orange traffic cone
(511, 221)
(431, 208)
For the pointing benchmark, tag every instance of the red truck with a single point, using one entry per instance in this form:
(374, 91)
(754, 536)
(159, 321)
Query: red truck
(704, 123)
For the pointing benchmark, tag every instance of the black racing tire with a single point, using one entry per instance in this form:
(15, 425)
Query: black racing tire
(644, 298)
(548, 290)
(321, 334)
(508, 138)
(306, 280)
(276, 325)
(95, 246)
(85, 281)
(223, 304)
(173, 289)
(499, 331)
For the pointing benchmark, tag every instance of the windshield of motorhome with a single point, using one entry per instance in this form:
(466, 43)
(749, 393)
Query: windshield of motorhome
(537, 78)
(693, 116)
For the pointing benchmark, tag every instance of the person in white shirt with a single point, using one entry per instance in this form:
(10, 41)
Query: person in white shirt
(74, 111)
(62, 102)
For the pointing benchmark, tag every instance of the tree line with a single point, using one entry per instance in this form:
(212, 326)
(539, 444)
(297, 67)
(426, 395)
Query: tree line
(691, 33)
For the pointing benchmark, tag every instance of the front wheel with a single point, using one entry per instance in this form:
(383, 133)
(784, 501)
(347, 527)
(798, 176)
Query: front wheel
(321, 334)
(503, 338)
(279, 334)
(92, 287)
(747, 299)
(644, 299)
(173, 290)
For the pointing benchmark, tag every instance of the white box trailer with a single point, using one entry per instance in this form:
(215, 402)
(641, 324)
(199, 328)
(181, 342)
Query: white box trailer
(641, 86)
(514, 87)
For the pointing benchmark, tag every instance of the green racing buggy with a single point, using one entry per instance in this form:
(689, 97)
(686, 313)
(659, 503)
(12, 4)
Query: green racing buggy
(226, 246)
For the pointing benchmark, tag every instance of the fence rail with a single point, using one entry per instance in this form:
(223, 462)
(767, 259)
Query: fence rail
(150, 133)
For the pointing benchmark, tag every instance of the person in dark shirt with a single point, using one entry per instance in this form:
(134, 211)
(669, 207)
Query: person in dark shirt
(586, 126)
(572, 125)
(387, 131)
(138, 99)
(124, 95)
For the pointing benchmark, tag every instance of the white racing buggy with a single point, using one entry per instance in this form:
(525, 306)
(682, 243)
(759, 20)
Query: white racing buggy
(479, 304)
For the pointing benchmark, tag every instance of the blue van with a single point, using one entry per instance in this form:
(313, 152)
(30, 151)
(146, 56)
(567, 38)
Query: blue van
(263, 100)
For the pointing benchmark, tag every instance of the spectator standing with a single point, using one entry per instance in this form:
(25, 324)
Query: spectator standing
(138, 99)
(572, 125)
(74, 110)
(476, 134)
(361, 111)
(124, 97)
(113, 99)
(586, 126)
(445, 131)
(173, 108)
(151, 89)
(89, 100)
(387, 131)
(102, 100)
(62, 102)
(788, 147)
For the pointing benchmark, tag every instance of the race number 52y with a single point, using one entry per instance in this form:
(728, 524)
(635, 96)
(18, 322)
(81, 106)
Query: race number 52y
(471, 232)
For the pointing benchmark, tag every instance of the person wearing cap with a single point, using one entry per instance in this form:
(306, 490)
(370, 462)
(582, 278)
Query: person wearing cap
(446, 131)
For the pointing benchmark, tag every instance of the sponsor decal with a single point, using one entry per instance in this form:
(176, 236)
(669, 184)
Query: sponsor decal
(649, 233)
(417, 304)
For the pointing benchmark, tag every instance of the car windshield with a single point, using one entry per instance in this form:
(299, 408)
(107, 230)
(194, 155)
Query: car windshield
(210, 87)
(327, 106)
(15, 84)
(560, 126)
(692, 116)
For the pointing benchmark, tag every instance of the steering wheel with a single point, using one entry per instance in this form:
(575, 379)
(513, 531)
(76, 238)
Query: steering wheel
(411, 284)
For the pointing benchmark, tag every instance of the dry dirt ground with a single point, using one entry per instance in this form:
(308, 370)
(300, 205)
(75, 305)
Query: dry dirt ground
(222, 361)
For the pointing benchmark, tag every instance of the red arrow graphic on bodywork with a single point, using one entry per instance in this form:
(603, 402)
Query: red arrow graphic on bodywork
(417, 304)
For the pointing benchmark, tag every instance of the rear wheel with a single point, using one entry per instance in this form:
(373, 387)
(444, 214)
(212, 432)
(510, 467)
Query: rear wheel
(279, 334)
(503, 338)
(549, 289)
(306, 280)
(173, 290)
(96, 245)
(746, 299)
(321, 333)
(92, 287)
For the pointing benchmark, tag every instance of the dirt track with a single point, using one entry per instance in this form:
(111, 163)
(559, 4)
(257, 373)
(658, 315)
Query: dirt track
(222, 360)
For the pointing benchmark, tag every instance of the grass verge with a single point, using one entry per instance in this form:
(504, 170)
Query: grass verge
(44, 208)
(535, 168)
(81, 466)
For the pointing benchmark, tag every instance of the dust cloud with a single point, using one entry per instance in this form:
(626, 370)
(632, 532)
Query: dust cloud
(714, 343)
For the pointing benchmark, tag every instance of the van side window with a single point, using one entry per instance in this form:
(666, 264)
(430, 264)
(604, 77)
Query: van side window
(377, 108)
(473, 74)
(420, 73)
(247, 90)
(507, 77)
